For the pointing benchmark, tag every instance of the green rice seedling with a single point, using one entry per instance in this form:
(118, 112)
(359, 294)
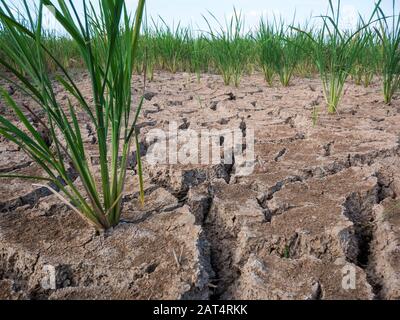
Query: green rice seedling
(229, 48)
(314, 116)
(107, 40)
(252, 63)
(199, 56)
(286, 252)
(267, 50)
(290, 54)
(145, 62)
(306, 64)
(389, 36)
(335, 52)
(63, 49)
(196, 58)
(251, 47)
(171, 45)
(365, 66)
(149, 60)
(147, 52)
(281, 50)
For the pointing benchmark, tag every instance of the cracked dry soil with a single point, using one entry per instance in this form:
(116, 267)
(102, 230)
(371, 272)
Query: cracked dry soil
(320, 198)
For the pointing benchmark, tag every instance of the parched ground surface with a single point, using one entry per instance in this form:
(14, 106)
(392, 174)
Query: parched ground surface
(321, 201)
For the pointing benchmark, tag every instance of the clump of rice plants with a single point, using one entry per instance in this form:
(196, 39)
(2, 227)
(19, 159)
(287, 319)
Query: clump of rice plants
(64, 50)
(280, 51)
(107, 42)
(199, 56)
(389, 36)
(146, 57)
(335, 52)
(266, 50)
(230, 48)
(171, 45)
(366, 63)
(306, 66)
(289, 53)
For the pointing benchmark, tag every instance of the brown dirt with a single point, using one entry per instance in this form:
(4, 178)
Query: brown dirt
(320, 198)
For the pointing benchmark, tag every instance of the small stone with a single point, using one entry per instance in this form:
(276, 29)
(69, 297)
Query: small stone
(149, 96)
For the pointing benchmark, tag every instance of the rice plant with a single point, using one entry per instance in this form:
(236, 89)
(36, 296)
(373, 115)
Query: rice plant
(171, 45)
(63, 49)
(267, 53)
(281, 50)
(199, 56)
(229, 48)
(107, 41)
(305, 67)
(146, 57)
(389, 35)
(366, 64)
(290, 51)
(335, 52)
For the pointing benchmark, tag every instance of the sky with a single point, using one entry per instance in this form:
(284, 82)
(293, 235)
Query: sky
(191, 11)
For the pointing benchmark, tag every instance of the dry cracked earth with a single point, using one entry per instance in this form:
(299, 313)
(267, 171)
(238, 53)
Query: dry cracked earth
(322, 199)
